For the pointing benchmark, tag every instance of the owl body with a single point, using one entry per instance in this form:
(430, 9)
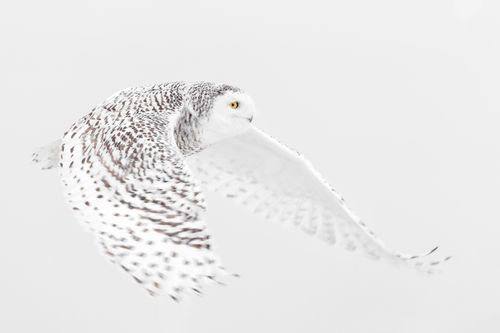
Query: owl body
(135, 168)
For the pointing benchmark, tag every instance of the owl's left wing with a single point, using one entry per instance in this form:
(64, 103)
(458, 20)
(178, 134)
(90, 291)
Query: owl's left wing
(127, 182)
(278, 184)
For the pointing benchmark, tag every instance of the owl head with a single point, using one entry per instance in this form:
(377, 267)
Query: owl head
(223, 111)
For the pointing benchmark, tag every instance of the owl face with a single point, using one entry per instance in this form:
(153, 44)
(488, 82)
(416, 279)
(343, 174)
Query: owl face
(231, 114)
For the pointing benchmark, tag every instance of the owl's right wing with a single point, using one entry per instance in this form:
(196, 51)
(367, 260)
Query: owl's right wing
(127, 181)
(278, 184)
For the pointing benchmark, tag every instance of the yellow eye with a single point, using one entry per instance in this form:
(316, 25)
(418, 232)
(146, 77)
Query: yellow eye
(234, 104)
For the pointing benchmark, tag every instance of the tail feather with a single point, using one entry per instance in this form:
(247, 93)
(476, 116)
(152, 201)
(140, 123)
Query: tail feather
(47, 157)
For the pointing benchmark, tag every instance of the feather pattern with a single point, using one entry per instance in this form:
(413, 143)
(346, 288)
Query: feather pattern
(126, 180)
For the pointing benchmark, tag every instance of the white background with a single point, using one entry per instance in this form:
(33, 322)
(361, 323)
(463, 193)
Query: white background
(395, 102)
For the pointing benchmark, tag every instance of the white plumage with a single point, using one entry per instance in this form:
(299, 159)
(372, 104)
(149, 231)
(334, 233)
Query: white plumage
(133, 167)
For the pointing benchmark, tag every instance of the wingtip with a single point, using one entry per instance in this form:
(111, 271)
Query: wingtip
(433, 250)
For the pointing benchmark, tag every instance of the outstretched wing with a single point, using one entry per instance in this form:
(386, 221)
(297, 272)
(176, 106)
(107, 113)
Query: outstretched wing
(126, 180)
(279, 184)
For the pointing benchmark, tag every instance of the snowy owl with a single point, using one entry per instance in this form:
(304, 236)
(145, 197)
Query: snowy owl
(135, 168)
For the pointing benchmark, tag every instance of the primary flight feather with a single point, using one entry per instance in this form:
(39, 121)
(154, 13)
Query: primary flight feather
(133, 170)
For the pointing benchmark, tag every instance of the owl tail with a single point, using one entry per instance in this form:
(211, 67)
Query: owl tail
(47, 157)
